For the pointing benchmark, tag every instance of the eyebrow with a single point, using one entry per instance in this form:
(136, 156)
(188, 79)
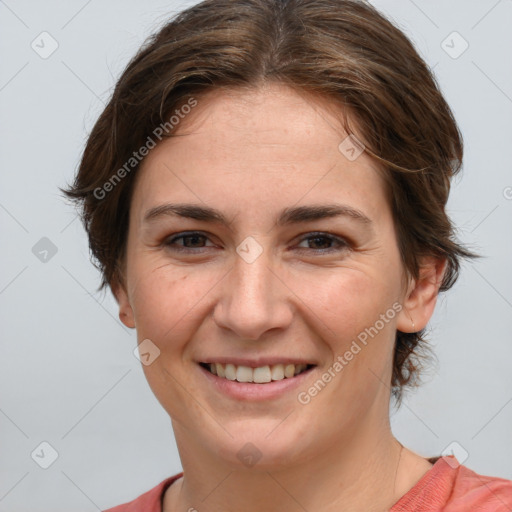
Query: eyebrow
(292, 215)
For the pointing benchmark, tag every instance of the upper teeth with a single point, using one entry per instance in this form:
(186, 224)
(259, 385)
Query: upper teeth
(259, 375)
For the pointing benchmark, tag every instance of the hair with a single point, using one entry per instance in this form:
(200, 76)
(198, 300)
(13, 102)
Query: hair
(341, 50)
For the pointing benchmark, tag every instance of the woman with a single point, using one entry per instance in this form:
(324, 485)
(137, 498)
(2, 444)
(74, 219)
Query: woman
(265, 196)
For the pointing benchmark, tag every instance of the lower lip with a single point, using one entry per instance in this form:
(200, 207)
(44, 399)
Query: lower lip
(252, 391)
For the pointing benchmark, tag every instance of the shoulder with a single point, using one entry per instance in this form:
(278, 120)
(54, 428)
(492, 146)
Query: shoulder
(150, 501)
(452, 487)
(480, 492)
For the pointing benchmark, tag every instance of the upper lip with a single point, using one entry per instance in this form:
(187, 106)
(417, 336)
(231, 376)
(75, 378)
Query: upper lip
(256, 363)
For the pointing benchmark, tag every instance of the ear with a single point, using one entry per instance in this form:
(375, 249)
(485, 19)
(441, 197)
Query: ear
(421, 296)
(125, 309)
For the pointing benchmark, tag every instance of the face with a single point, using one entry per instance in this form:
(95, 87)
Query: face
(270, 279)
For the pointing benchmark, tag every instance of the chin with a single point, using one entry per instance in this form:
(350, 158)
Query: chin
(264, 446)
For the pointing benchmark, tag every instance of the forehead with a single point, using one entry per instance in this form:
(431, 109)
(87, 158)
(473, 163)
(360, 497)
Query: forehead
(262, 148)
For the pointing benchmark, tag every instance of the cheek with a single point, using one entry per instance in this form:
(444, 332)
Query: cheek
(356, 319)
(345, 301)
(167, 301)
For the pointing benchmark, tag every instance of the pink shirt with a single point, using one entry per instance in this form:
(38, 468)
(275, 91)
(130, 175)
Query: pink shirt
(446, 487)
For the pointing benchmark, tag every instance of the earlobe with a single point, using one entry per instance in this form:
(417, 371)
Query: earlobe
(421, 297)
(125, 310)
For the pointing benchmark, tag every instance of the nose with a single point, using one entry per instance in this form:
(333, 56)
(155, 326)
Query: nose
(254, 298)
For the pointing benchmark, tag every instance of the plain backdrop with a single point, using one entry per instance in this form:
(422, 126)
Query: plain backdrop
(68, 375)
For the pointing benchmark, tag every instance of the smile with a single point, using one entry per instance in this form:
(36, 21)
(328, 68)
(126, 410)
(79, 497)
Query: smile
(259, 375)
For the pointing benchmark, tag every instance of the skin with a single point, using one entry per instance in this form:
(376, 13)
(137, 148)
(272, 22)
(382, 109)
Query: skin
(251, 154)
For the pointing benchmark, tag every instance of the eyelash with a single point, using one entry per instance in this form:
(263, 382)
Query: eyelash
(342, 244)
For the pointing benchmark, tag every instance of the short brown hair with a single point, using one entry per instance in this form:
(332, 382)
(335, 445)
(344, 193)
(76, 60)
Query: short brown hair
(344, 50)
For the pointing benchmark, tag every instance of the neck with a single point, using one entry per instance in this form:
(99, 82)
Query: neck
(371, 473)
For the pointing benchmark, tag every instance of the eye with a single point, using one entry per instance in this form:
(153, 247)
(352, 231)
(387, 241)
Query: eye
(325, 241)
(191, 241)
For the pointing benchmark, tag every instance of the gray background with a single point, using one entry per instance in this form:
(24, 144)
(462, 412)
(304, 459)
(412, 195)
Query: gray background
(68, 375)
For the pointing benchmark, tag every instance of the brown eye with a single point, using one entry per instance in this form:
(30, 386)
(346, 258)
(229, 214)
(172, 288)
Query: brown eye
(323, 243)
(190, 241)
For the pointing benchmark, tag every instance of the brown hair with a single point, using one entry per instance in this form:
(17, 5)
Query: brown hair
(344, 50)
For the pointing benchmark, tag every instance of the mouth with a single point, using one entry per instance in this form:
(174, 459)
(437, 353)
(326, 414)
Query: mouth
(260, 375)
